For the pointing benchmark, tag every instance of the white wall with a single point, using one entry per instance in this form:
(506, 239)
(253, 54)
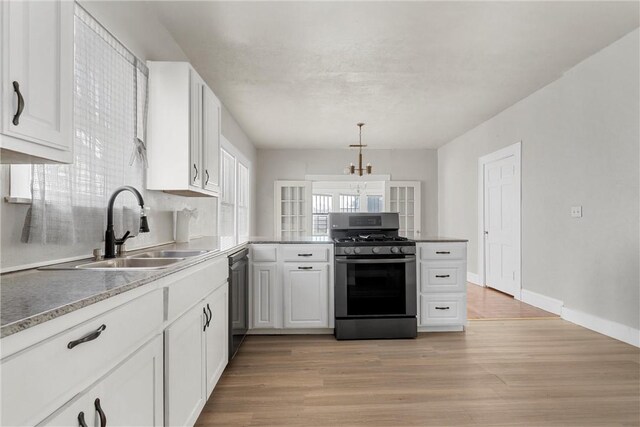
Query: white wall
(580, 146)
(137, 28)
(411, 165)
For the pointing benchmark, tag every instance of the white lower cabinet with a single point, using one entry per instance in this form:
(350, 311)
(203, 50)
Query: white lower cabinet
(442, 281)
(291, 286)
(216, 336)
(130, 395)
(185, 393)
(196, 353)
(306, 295)
(265, 295)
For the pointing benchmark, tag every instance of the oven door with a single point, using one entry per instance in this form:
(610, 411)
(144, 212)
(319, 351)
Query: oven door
(375, 287)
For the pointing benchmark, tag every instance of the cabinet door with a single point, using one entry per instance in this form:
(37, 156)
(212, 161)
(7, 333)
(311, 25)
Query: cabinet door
(131, 395)
(292, 209)
(196, 89)
(404, 197)
(217, 335)
(306, 295)
(37, 62)
(265, 296)
(185, 392)
(211, 141)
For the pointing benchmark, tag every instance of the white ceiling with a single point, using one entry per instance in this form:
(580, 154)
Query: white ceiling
(302, 74)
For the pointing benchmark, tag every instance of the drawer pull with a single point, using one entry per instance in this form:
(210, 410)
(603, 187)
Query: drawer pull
(305, 254)
(442, 276)
(443, 252)
(103, 417)
(196, 175)
(16, 117)
(305, 268)
(442, 308)
(207, 172)
(206, 319)
(89, 337)
(210, 315)
(81, 421)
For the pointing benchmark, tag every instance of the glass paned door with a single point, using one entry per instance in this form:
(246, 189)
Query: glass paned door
(403, 197)
(293, 209)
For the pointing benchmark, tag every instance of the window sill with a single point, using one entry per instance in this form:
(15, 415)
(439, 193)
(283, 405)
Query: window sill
(17, 200)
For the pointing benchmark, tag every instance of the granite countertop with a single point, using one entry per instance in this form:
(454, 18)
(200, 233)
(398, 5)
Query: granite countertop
(31, 297)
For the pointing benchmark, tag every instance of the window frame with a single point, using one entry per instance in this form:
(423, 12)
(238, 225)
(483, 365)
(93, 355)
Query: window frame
(239, 158)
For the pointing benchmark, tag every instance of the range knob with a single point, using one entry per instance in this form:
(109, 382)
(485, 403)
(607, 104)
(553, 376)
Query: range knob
(375, 250)
(348, 250)
(406, 249)
(395, 250)
(356, 250)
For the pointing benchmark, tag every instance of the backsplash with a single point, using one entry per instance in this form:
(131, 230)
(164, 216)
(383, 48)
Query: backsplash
(15, 254)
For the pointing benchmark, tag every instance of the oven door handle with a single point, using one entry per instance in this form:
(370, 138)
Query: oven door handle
(405, 260)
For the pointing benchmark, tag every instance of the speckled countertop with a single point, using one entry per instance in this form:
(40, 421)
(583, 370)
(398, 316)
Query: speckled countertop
(31, 297)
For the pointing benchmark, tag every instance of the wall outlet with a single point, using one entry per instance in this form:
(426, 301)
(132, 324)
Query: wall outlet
(576, 211)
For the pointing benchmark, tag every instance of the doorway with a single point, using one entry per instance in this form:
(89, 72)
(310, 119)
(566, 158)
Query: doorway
(499, 214)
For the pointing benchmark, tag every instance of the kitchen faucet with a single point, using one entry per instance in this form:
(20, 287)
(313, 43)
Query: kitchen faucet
(110, 241)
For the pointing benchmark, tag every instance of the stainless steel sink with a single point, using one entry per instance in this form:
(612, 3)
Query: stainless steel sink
(130, 264)
(168, 254)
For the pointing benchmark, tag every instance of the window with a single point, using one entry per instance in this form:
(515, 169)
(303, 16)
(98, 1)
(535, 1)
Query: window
(374, 203)
(321, 207)
(234, 206)
(349, 203)
(109, 113)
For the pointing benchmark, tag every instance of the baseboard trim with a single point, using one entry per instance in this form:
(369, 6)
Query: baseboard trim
(543, 302)
(606, 327)
(300, 331)
(453, 328)
(473, 278)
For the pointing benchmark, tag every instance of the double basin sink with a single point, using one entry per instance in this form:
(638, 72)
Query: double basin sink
(152, 260)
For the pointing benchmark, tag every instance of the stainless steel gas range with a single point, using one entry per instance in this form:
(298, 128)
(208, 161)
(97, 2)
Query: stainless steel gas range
(375, 277)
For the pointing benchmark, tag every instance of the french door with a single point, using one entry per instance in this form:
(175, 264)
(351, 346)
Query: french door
(404, 197)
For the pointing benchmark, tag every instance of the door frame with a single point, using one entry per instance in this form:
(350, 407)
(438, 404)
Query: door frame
(516, 151)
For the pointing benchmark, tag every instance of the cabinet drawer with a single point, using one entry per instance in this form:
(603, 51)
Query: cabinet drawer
(305, 253)
(40, 379)
(195, 285)
(443, 309)
(443, 276)
(264, 253)
(433, 251)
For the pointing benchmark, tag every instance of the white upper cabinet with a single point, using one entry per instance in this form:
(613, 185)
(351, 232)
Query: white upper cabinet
(183, 134)
(37, 81)
(211, 141)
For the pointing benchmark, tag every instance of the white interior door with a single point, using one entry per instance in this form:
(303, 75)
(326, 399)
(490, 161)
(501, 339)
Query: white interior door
(501, 205)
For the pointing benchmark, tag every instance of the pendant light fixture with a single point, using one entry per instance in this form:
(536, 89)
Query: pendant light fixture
(360, 170)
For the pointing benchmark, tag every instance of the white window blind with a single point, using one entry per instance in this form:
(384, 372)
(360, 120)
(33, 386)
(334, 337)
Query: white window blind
(69, 201)
(228, 195)
(234, 210)
(243, 202)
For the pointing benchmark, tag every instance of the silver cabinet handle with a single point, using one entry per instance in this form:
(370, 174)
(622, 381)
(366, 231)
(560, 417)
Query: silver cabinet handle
(196, 175)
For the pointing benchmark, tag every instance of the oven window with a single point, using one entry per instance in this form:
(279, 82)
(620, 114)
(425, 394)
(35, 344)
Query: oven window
(376, 289)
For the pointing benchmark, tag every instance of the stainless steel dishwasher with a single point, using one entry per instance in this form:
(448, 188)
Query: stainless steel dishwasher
(238, 299)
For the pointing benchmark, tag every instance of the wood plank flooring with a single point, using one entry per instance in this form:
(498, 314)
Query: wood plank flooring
(503, 372)
(487, 303)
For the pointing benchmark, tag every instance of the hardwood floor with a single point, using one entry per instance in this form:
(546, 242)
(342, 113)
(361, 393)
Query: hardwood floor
(487, 303)
(503, 372)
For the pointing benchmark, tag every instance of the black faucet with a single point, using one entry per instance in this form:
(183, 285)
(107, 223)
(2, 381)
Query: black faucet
(110, 240)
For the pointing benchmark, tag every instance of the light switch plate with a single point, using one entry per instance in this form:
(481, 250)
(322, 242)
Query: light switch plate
(576, 211)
